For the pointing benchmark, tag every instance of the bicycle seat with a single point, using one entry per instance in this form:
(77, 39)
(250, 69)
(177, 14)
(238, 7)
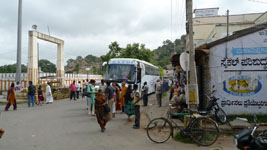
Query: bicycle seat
(203, 113)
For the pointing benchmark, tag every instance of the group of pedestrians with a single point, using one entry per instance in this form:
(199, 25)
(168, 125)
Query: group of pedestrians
(110, 97)
(177, 93)
(75, 90)
(11, 95)
(103, 102)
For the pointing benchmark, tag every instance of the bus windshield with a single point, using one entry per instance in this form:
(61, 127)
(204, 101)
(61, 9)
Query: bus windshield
(120, 72)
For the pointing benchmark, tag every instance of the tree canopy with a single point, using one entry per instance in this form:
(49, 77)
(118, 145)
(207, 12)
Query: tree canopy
(163, 53)
(135, 50)
(47, 66)
(12, 68)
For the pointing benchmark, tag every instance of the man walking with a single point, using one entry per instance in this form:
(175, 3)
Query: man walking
(102, 86)
(136, 104)
(109, 95)
(48, 93)
(145, 94)
(158, 92)
(31, 94)
(72, 90)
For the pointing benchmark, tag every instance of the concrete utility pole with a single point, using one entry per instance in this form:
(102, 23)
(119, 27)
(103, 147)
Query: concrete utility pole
(192, 80)
(227, 24)
(18, 70)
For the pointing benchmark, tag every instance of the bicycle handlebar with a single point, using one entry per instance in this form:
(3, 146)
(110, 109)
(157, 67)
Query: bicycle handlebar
(191, 111)
(263, 124)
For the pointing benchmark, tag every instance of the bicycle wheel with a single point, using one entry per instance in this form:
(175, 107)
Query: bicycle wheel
(159, 130)
(221, 116)
(204, 131)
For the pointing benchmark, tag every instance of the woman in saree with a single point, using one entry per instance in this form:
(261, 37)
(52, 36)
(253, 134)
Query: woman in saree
(11, 98)
(123, 92)
(129, 108)
(118, 97)
(101, 115)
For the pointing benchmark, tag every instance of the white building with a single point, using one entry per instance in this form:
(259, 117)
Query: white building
(237, 66)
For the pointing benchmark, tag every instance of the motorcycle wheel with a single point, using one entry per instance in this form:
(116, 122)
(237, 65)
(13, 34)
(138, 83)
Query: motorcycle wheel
(221, 116)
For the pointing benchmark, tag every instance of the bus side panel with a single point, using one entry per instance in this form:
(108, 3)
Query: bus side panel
(151, 81)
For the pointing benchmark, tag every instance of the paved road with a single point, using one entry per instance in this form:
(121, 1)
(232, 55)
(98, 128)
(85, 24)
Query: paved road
(65, 125)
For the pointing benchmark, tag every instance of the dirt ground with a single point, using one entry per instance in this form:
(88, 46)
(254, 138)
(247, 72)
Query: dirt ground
(224, 142)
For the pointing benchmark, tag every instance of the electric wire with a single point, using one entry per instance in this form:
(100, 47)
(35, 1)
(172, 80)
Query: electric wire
(257, 1)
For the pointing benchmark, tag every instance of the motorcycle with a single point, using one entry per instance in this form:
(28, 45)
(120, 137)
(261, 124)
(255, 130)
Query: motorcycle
(246, 139)
(214, 108)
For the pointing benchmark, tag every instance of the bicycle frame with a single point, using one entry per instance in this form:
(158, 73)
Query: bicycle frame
(188, 126)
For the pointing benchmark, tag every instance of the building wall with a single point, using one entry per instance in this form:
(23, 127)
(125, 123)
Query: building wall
(241, 77)
(262, 18)
(7, 78)
(212, 28)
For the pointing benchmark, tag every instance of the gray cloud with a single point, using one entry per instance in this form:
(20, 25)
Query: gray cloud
(89, 26)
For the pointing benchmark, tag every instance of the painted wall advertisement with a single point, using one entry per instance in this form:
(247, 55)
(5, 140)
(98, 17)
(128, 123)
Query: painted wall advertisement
(239, 73)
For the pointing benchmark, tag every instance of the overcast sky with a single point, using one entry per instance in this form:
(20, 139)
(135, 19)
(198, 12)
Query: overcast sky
(89, 26)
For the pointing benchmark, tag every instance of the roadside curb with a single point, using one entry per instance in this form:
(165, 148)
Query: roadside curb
(153, 111)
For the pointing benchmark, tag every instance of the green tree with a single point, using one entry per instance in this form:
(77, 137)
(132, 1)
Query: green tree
(77, 68)
(47, 66)
(12, 68)
(114, 51)
(131, 51)
(163, 53)
(137, 51)
(70, 61)
(24, 69)
(79, 57)
(161, 73)
(90, 58)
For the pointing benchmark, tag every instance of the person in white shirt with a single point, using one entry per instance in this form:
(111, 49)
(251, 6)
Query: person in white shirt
(48, 93)
(78, 89)
(19, 87)
(102, 85)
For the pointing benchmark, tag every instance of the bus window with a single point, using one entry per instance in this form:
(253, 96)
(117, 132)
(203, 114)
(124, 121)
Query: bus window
(120, 72)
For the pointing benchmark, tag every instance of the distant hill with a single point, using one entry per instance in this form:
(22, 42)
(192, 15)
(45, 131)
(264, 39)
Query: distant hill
(80, 64)
(161, 55)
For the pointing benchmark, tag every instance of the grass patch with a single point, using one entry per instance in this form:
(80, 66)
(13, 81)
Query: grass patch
(260, 118)
(19, 102)
(229, 133)
(164, 94)
(178, 137)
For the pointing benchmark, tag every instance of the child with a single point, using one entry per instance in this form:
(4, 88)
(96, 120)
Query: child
(40, 95)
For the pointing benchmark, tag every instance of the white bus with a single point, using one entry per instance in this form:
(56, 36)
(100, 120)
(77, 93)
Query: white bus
(132, 71)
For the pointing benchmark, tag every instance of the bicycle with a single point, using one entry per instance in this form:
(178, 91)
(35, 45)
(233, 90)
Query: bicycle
(201, 129)
(214, 108)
